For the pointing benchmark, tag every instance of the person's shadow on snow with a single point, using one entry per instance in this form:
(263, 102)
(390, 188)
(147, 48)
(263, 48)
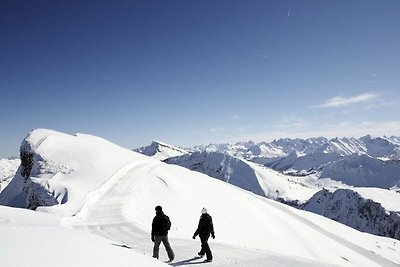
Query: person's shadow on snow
(122, 246)
(187, 262)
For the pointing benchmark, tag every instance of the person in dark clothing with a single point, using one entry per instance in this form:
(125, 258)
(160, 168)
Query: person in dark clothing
(159, 233)
(204, 230)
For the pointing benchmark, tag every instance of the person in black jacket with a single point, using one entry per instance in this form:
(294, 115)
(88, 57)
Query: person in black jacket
(204, 230)
(159, 233)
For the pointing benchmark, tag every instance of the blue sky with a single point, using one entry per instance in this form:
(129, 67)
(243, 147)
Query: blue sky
(195, 72)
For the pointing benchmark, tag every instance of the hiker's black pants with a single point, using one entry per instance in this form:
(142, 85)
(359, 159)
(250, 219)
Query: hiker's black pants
(205, 248)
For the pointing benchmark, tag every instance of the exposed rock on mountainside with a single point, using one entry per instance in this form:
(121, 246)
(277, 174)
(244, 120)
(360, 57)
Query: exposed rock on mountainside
(32, 191)
(348, 207)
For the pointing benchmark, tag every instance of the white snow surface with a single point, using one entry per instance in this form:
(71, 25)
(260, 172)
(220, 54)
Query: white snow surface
(113, 191)
(36, 239)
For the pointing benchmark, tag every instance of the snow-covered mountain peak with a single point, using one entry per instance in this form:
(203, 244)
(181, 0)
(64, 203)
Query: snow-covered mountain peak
(159, 150)
(52, 167)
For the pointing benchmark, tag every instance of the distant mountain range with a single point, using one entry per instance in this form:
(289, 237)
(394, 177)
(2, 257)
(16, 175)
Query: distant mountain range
(366, 161)
(385, 148)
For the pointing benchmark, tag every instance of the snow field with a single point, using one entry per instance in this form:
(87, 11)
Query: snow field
(36, 239)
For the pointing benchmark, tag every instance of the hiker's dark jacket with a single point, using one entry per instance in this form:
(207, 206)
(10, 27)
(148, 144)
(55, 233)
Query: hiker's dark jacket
(161, 224)
(205, 227)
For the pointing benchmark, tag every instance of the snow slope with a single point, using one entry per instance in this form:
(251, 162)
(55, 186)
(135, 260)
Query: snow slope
(363, 170)
(249, 176)
(223, 167)
(36, 239)
(113, 192)
(305, 164)
(161, 151)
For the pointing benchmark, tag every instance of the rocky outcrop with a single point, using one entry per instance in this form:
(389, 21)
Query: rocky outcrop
(25, 190)
(350, 208)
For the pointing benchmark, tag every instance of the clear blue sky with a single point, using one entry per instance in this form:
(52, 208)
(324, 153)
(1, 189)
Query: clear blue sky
(195, 72)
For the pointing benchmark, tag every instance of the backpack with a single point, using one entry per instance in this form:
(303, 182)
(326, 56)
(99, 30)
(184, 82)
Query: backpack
(166, 223)
(207, 223)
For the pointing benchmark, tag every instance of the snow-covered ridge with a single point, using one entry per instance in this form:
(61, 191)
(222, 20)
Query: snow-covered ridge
(161, 151)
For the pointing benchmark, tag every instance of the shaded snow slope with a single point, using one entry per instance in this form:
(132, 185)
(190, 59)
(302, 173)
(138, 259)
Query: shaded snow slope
(350, 208)
(223, 167)
(308, 163)
(161, 151)
(362, 170)
(36, 239)
(8, 168)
